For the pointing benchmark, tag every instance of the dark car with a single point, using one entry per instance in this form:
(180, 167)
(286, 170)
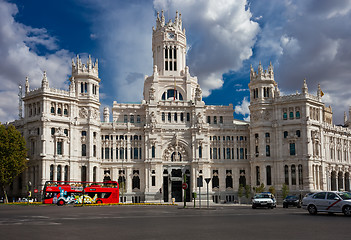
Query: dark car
(292, 201)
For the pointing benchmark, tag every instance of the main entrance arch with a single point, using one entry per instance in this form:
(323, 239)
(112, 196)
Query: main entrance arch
(176, 171)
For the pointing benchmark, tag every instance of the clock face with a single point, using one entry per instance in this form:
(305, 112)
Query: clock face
(170, 35)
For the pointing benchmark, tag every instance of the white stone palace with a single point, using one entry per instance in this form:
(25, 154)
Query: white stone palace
(149, 147)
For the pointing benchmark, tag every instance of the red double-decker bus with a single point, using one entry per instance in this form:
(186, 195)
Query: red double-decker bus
(61, 192)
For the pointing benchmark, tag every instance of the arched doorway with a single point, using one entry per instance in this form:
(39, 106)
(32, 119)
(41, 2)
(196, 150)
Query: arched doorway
(347, 181)
(333, 181)
(340, 181)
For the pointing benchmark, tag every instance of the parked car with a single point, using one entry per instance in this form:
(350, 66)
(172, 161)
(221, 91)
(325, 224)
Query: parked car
(330, 202)
(291, 201)
(264, 200)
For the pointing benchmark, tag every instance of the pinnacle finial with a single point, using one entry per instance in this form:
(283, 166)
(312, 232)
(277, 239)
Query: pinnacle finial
(45, 82)
(27, 85)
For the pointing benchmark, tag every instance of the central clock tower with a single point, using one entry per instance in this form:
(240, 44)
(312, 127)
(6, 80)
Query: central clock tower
(169, 46)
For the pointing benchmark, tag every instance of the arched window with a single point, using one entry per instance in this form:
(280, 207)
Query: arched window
(176, 158)
(59, 173)
(229, 179)
(293, 175)
(286, 174)
(51, 172)
(66, 173)
(94, 174)
(258, 175)
(269, 175)
(215, 179)
(84, 174)
(300, 175)
(136, 180)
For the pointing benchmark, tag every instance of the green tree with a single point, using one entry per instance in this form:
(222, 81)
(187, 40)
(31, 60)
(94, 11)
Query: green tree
(260, 189)
(13, 155)
(285, 190)
(240, 192)
(247, 191)
(272, 190)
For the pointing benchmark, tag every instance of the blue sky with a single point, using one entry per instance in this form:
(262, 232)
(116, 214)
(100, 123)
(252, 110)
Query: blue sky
(302, 38)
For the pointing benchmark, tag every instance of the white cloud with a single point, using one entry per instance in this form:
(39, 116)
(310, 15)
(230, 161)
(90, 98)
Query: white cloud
(243, 108)
(19, 57)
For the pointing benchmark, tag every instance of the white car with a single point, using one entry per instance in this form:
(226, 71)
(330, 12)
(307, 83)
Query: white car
(264, 200)
(330, 202)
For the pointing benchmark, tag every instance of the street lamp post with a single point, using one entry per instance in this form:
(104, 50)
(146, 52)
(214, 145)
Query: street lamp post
(29, 188)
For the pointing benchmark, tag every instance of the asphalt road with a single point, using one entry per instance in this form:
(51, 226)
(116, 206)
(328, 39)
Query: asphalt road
(167, 222)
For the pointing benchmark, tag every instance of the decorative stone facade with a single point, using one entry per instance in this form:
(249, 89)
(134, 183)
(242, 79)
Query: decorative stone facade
(149, 147)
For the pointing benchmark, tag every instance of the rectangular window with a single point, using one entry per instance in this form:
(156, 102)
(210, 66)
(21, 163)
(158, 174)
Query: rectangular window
(125, 118)
(292, 149)
(241, 153)
(291, 115)
(175, 117)
(138, 118)
(209, 119)
(132, 118)
(268, 151)
(169, 117)
(228, 153)
(170, 65)
(175, 53)
(136, 153)
(188, 117)
(182, 117)
(153, 152)
(220, 119)
(59, 148)
(153, 180)
(170, 53)
(117, 153)
(166, 65)
(94, 151)
(175, 66)
(214, 153)
(215, 120)
(200, 152)
(84, 150)
(163, 117)
(121, 153)
(285, 116)
(107, 153)
(166, 52)
(297, 114)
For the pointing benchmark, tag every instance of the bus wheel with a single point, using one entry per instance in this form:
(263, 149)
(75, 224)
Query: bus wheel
(98, 202)
(60, 202)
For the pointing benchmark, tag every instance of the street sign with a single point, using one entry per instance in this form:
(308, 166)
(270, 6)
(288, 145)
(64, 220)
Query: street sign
(35, 190)
(207, 180)
(184, 186)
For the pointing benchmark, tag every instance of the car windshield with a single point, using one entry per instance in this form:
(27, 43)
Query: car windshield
(345, 195)
(262, 196)
(291, 197)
